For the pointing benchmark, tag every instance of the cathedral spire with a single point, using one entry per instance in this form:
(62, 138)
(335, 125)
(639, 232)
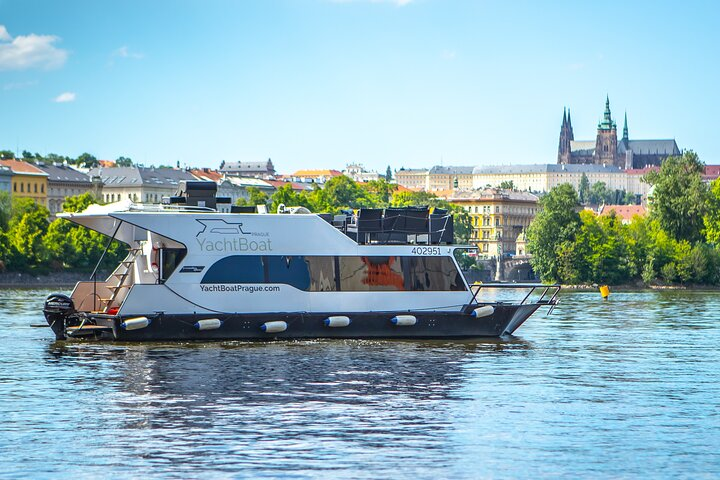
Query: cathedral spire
(564, 118)
(607, 123)
(625, 129)
(569, 124)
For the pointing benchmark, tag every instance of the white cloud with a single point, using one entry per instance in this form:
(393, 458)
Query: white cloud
(124, 52)
(449, 54)
(65, 97)
(29, 51)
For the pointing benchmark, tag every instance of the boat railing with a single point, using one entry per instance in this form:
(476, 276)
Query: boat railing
(161, 207)
(548, 292)
(406, 225)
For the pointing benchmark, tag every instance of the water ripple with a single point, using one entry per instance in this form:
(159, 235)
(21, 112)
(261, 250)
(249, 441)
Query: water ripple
(622, 388)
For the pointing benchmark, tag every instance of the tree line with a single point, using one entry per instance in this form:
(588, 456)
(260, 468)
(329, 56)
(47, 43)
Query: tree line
(85, 160)
(677, 242)
(28, 242)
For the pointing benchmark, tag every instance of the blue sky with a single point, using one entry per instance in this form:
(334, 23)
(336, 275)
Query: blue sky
(323, 83)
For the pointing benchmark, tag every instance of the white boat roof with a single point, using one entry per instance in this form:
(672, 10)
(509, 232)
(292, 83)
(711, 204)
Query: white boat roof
(199, 228)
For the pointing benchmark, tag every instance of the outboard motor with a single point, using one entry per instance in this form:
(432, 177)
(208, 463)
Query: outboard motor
(58, 307)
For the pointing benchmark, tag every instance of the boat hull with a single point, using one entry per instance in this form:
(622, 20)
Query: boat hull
(505, 319)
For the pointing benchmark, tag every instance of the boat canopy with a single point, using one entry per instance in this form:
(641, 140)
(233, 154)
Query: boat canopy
(100, 218)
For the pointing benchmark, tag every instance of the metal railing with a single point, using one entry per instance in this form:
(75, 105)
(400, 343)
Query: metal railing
(547, 297)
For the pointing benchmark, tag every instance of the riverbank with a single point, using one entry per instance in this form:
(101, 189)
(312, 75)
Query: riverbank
(55, 279)
(632, 287)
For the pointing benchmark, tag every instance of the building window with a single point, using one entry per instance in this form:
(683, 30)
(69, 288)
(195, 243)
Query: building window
(36, 188)
(42, 188)
(15, 187)
(22, 188)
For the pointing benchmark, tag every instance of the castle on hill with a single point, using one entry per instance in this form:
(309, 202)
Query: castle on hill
(607, 150)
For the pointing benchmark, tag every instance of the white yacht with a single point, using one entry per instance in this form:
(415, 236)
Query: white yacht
(194, 273)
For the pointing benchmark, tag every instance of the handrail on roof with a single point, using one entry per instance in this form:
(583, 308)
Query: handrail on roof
(159, 207)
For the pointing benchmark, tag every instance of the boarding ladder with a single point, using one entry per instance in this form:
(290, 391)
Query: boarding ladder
(123, 277)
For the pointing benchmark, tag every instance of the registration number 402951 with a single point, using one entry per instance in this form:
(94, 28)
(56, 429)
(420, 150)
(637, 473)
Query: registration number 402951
(426, 250)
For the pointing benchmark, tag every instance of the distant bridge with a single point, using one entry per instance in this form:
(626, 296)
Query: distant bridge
(516, 268)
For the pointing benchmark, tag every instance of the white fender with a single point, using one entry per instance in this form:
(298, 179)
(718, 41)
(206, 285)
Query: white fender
(274, 327)
(337, 321)
(484, 311)
(135, 323)
(208, 324)
(404, 320)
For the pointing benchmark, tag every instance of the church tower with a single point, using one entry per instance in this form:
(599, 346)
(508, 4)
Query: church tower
(606, 142)
(566, 136)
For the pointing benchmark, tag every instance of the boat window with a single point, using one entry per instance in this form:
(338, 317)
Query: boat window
(170, 258)
(346, 273)
(290, 270)
(359, 274)
(432, 273)
(236, 269)
(322, 274)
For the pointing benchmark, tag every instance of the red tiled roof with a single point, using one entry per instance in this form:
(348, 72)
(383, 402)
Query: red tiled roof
(207, 174)
(18, 166)
(711, 172)
(626, 212)
(298, 187)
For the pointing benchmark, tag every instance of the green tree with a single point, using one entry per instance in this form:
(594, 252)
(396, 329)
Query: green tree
(388, 174)
(7, 155)
(124, 162)
(55, 158)
(598, 193)
(630, 199)
(255, 197)
(507, 185)
(584, 189)
(380, 191)
(552, 232)
(78, 203)
(5, 210)
(462, 225)
(711, 220)
(87, 161)
(72, 246)
(679, 198)
(287, 196)
(343, 192)
(26, 229)
(410, 199)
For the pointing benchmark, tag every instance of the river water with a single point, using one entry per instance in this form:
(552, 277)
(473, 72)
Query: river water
(623, 388)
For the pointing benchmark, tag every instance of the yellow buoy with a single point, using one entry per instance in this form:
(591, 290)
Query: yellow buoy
(604, 291)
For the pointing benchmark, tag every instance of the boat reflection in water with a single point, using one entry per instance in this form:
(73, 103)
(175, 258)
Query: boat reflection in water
(259, 402)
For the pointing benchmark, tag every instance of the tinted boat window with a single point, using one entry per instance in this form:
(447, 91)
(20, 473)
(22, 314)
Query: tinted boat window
(322, 274)
(171, 258)
(288, 270)
(236, 269)
(371, 274)
(347, 273)
(431, 273)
